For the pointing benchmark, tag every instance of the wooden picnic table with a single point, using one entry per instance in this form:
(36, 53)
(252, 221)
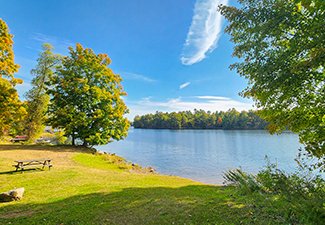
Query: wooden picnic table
(19, 138)
(21, 164)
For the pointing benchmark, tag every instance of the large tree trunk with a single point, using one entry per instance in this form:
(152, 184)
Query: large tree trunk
(73, 140)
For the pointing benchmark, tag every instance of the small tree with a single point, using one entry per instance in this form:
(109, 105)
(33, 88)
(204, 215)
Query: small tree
(11, 108)
(37, 97)
(282, 44)
(86, 99)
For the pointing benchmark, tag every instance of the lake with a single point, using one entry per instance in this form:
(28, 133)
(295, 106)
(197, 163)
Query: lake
(204, 155)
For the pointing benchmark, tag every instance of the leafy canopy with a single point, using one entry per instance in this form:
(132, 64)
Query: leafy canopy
(7, 64)
(11, 109)
(37, 98)
(282, 47)
(200, 119)
(86, 98)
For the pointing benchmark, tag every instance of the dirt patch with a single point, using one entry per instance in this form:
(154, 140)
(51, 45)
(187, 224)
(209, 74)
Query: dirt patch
(53, 148)
(16, 214)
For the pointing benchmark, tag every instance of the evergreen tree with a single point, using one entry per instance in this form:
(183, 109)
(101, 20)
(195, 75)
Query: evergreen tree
(37, 98)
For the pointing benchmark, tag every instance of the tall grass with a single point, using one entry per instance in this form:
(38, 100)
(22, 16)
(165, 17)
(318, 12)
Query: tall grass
(303, 195)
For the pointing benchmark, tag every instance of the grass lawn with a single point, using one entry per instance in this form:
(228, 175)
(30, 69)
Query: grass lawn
(83, 188)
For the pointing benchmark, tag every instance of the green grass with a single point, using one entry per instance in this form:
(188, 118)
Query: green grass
(83, 188)
(103, 162)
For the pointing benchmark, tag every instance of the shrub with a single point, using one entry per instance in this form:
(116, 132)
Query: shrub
(302, 196)
(246, 182)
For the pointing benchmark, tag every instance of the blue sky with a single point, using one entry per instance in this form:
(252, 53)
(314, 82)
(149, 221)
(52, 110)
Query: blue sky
(172, 55)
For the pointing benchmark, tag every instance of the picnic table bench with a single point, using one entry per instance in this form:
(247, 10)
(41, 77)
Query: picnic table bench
(19, 138)
(21, 164)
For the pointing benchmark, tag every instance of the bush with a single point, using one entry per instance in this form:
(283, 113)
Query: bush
(246, 182)
(302, 196)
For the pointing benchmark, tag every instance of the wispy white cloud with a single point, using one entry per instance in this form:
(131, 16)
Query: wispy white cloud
(209, 97)
(50, 39)
(136, 76)
(204, 32)
(184, 85)
(61, 45)
(216, 103)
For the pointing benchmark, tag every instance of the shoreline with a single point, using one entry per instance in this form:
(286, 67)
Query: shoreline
(83, 187)
(157, 171)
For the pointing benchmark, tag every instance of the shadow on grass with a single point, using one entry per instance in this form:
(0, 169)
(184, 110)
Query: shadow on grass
(30, 170)
(53, 148)
(157, 205)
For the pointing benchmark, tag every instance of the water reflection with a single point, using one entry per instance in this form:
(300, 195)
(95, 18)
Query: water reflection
(204, 155)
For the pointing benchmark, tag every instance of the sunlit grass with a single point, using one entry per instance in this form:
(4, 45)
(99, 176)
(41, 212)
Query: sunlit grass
(83, 188)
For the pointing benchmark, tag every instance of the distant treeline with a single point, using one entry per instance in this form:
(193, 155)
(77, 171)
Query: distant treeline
(200, 119)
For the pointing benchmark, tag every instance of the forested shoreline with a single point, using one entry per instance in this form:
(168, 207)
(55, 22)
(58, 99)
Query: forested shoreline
(200, 119)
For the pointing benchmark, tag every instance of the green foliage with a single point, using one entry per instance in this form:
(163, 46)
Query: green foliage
(313, 165)
(7, 64)
(60, 138)
(246, 182)
(12, 110)
(37, 98)
(86, 98)
(282, 47)
(200, 119)
(304, 193)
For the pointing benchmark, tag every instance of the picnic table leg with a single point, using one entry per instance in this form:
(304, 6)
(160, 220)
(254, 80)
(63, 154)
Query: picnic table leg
(49, 164)
(46, 163)
(19, 166)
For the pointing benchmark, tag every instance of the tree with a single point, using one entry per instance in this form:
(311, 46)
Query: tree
(175, 120)
(7, 63)
(282, 47)
(37, 97)
(219, 122)
(86, 98)
(11, 108)
(200, 120)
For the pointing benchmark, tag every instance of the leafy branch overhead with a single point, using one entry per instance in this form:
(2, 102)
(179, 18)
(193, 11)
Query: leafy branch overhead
(282, 47)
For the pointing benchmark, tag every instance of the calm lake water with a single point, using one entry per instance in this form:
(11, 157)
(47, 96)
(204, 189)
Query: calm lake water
(204, 155)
